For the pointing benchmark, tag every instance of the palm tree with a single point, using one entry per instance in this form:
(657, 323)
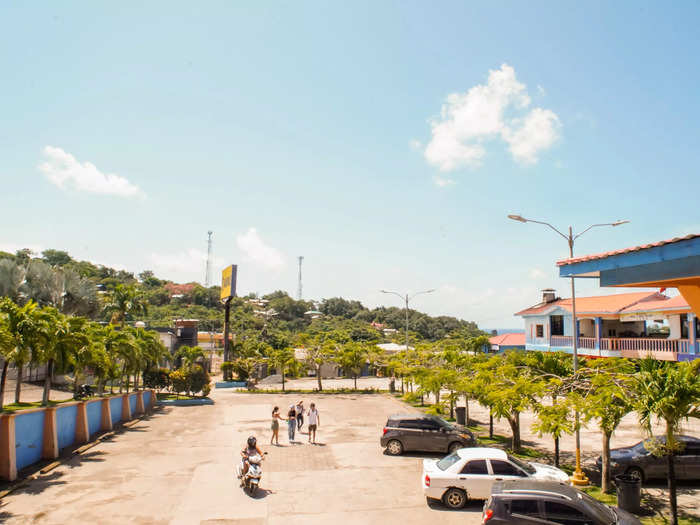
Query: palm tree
(151, 351)
(668, 392)
(22, 324)
(123, 302)
(352, 357)
(283, 359)
(7, 344)
(190, 355)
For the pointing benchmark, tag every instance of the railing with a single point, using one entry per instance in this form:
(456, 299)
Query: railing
(645, 344)
(561, 340)
(586, 342)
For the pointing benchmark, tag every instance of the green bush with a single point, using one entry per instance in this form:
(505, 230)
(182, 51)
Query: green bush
(179, 381)
(436, 410)
(158, 378)
(227, 369)
(197, 379)
(206, 389)
(412, 398)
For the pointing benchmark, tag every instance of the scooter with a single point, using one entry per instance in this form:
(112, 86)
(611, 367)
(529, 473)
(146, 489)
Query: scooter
(251, 480)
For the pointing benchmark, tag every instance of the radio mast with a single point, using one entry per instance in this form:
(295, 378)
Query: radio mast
(207, 275)
(301, 258)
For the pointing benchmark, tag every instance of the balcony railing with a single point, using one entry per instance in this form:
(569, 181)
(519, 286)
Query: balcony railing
(625, 346)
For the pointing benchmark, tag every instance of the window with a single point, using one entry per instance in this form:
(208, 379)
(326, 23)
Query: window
(448, 461)
(524, 507)
(539, 330)
(428, 424)
(477, 466)
(410, 423)
(565, 515)
(503, 468)
(557, 324)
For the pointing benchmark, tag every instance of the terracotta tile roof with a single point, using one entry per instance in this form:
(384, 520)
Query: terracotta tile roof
(673, 303)
(517, 339)
(601, 304)
(626, 250)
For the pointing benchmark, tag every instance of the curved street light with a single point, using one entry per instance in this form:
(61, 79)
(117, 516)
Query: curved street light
(579, 478)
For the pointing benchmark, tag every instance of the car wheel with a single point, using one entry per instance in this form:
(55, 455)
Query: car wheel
(454, 447)
(394, 447)
(455, 498)
(636, 473)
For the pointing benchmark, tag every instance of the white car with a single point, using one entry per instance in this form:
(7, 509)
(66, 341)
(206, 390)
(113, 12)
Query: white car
(470, 472)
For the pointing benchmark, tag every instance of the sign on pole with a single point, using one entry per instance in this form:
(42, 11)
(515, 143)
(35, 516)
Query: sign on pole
(228, 282)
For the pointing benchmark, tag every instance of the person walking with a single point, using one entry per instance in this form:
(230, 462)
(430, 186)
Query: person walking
(314, 422)
(275, 426)
(300, 415)
(291, 422)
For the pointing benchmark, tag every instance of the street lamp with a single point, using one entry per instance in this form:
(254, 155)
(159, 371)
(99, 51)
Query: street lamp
(406, 298)
(579, 478)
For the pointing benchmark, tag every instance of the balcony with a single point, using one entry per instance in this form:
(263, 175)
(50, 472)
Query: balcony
(633, 347)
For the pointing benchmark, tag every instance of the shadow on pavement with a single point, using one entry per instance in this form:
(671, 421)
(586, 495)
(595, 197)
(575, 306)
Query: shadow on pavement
(471, 506)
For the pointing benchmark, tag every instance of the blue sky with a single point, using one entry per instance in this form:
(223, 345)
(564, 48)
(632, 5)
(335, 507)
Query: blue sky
(384, 141)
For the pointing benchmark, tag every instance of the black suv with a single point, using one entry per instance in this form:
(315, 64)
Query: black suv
(527, 502)
(426, 433)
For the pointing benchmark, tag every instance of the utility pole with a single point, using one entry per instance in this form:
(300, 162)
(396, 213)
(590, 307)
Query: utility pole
(300, 258)
(207, 275)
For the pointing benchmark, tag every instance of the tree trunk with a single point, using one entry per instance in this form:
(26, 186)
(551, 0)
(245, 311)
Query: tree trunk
(318, 377)
(18, 385)
(5, 364)
(490, 424)
(466, 410)
(452, 405)
(355, 378)
(514, 423)
(556, 452)
(605, 468)
(282, 379)
(47, 383)
(437, 397)
(671, 477)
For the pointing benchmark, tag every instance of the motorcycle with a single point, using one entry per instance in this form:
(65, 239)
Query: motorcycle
(251, 480)
(84, 391)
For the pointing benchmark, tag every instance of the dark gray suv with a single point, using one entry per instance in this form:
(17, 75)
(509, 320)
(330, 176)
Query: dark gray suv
(528, 502)
(425, 433)
(639, 462)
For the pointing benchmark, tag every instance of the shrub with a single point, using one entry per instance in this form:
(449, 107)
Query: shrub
(197, 379)
(157, 378)
(412, 398)
(206, 389)
(227, 369)
(179, 381)
(436, 410)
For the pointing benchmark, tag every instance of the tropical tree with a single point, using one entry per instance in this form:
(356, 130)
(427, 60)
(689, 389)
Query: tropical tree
(22, 325)
(190, 355)
(11, 277)
(124, 302)
(352, 357)
(7, 345)
(319, 349)
(670, 393)
(283, 360)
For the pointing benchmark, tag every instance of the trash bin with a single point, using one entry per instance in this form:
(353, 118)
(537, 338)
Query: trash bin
(392, 386)
(629, 492)
(461, 415)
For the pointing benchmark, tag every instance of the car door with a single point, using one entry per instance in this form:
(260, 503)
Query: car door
(504, 470)
(475, 479)
(524, 511)
(433, 438)
(565, 514)
(688, 461)
(410, 434)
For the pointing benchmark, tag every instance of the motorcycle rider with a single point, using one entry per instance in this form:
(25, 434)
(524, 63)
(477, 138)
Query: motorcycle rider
(251, 449)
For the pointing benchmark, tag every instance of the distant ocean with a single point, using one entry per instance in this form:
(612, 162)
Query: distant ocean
(500, 331)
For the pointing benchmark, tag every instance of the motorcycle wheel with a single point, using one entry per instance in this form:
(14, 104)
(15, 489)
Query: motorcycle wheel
(253, 489)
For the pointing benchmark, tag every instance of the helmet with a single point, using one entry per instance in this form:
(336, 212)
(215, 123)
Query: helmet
(252, 441)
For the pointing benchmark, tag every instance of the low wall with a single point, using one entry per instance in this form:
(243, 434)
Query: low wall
(28, 436)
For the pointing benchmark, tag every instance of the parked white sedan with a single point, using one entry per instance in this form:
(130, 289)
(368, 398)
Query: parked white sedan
(470, 472)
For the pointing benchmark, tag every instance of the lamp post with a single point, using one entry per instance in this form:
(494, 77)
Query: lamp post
(406, 298)
(578, 478)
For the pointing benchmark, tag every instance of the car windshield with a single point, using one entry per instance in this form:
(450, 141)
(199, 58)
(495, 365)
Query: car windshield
(601, 511)
(447, 461)
(441, 422)
(522, 464)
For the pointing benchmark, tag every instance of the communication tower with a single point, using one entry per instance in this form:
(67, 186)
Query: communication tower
(301, 258)
(207, 275)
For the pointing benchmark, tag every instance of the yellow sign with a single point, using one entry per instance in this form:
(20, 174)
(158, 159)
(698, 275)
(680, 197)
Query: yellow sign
(228, 282)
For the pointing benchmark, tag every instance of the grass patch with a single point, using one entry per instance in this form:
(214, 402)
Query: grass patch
(495, 440)
(527, 453)
(661, 520)
(597, 493)
(314, 391)
(167, 396)
(16, 407)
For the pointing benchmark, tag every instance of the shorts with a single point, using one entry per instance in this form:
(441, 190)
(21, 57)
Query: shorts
(275, 425)
(312, 428)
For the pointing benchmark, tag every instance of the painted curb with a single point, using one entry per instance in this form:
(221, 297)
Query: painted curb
(231, 384)
(185, 402)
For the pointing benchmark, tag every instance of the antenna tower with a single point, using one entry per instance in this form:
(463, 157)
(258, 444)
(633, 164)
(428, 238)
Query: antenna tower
(207, 276)
(301, 258)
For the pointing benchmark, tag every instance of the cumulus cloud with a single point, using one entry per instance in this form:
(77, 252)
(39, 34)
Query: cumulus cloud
(63, 170)
(257, 250)
(442, 182)
(497, 110)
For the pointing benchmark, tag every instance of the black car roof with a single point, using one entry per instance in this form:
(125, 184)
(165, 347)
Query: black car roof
(526, 487)
(410, 416)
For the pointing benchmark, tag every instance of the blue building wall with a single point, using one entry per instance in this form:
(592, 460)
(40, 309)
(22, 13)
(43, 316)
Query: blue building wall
(65, 425)
(132, 404)
(29, 437)
(115, 406)
(146, 398)
(94, 415)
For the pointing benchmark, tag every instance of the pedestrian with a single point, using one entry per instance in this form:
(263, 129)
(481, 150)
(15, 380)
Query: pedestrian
(275, 426)
(314, 422)
(291, 422)
(300, 415)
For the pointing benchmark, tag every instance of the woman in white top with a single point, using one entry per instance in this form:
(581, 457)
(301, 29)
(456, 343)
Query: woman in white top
(314, 422)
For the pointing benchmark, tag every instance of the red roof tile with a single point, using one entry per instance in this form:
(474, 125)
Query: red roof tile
(601, 304)
(673, 303)
(516, 339)
(626, 250)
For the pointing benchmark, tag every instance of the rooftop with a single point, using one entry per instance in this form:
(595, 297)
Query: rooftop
(514, 339)
(601, 304)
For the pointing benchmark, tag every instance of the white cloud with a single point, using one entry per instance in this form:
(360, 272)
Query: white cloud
(442, 182)
(496, 110)
(416, 145)
(536, 273)
(255, 248)
(63, 170)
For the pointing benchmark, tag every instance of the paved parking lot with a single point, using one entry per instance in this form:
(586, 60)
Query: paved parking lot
(178, 467)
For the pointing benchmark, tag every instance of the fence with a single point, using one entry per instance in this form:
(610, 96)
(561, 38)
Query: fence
(41, 433)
